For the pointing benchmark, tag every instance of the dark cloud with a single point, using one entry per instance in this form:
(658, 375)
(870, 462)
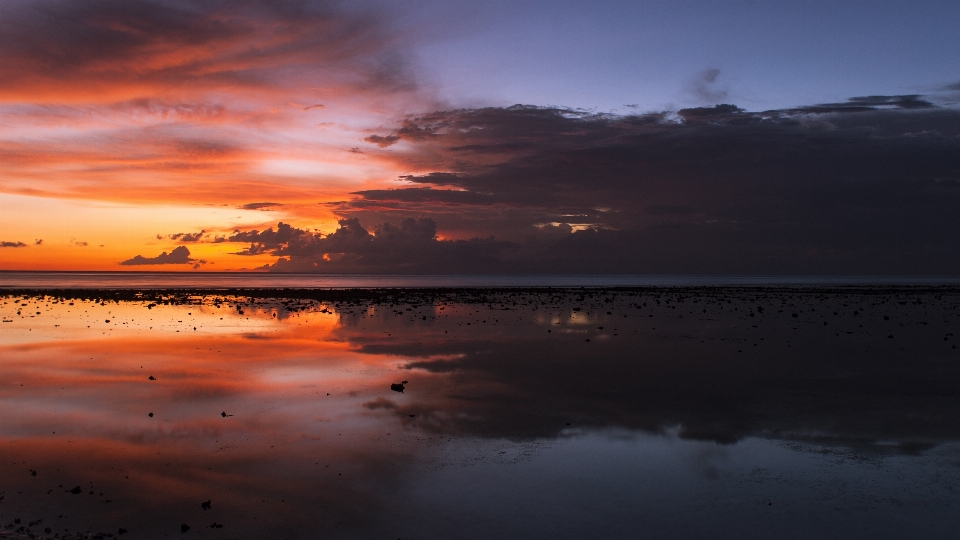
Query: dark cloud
(6, 244)
(411, 246)
(179, 255)
(259, 205)
(870, 103)
(187, 237)
(866, 186)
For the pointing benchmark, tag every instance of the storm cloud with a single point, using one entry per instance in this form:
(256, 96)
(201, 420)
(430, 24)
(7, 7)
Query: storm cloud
(866, 186)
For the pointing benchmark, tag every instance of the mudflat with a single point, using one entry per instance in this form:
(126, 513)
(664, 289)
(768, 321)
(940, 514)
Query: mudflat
(675, 412)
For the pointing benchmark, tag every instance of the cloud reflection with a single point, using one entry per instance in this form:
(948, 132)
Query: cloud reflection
(281, 412)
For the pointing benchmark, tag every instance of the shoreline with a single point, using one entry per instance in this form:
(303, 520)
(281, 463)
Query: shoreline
(459, 293)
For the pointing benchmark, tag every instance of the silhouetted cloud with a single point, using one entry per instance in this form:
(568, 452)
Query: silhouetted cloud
(865, 186)
(187, 237)
(411, 246)
(179, 255)
(6, 244)
(259, 205)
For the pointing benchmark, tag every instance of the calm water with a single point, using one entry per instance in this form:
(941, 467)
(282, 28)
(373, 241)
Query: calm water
(555, 415)
(196, 280)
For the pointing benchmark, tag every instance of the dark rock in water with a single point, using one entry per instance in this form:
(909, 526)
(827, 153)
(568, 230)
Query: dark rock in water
(184, 528)
(205, 505)
(76, 491)
(151, 378)
(122, 531)
(150, 415)
(398, 387)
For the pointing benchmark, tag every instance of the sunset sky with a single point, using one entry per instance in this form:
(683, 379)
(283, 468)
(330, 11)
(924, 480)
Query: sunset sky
(745, 136)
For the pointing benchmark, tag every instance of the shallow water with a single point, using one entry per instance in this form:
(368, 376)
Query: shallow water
(562, 414)
(236, 280)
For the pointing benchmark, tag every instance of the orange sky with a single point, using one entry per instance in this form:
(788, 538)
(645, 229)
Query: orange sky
(163, 125)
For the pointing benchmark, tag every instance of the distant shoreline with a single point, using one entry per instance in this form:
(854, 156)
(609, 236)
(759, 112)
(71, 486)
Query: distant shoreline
(458, 294)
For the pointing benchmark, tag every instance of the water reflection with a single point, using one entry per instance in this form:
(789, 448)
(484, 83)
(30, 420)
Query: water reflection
(550, 414)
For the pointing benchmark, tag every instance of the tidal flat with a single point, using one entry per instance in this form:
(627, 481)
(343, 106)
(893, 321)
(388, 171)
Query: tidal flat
(674, 412)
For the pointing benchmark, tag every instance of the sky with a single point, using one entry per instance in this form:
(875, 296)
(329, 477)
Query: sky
(719, 137)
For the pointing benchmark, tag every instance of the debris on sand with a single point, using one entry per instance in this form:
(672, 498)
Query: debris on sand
(225, 415)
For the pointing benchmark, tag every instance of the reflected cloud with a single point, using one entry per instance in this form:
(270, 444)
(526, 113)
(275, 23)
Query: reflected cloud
(283, 411)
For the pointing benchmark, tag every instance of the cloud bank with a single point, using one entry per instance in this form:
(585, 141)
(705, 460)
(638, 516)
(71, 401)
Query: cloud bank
(867, 186)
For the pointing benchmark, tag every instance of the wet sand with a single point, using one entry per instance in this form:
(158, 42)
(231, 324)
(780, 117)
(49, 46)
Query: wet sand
(524, 413)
